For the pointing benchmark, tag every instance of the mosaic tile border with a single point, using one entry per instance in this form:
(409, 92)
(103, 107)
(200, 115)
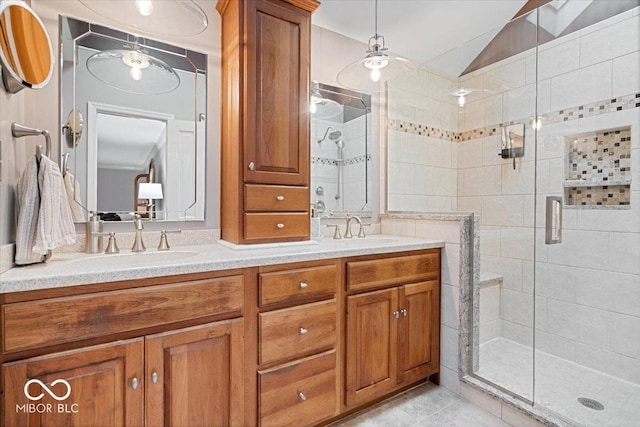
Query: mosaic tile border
(606, 106)
(335, 162)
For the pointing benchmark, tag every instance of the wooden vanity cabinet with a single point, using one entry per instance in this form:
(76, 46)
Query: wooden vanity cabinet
(265, 119)
(298, 334)
(393, 334)
(187, 375)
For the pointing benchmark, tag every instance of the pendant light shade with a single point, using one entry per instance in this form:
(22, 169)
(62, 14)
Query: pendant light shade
(133, 70)
(369, 73)
(158, 17)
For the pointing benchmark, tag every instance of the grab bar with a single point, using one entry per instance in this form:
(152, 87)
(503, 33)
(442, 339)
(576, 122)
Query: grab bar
(553, 220)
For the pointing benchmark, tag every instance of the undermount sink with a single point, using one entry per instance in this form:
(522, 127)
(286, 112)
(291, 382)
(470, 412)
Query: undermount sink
(133, 259)
(366, 241)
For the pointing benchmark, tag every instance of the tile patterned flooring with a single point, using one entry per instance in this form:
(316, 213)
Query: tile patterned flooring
(559, 383)
(426, 406)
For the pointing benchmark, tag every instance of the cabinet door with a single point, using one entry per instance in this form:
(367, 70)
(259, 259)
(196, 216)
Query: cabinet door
(419, 331)
(104, 383)
(371, 345)
(277, 125)
(195, 376)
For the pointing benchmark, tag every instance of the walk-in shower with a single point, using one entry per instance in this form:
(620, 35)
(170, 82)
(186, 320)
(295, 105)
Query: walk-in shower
(555, 325)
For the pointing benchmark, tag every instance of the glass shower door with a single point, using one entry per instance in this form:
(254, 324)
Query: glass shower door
(587, 259)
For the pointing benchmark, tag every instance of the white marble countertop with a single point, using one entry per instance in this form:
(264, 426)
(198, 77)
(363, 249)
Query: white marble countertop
(69, 269)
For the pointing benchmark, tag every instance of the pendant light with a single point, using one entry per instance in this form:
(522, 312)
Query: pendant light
(134, 70)
(369, 74)
(158, 17)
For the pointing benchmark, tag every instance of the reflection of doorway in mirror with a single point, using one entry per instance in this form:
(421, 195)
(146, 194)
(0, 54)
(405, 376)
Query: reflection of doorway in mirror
(145, 137)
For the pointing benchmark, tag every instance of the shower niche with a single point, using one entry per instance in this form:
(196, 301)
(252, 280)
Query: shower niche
(340, 151)
(598, 169)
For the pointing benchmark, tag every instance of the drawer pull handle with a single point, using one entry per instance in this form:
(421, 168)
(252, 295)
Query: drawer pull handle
(396, 314)
(280, 225)
(279, 198)
(134, 383)
(404, 312)
(303, 285)
(301, 396)
(154, 377)
(303, 331)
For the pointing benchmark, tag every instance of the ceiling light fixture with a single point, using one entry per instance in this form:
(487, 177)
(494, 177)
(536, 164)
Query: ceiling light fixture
(369, 73)
(133, 70)
(161, 17)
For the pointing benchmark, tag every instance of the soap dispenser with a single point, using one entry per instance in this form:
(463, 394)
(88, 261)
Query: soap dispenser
(93, 234)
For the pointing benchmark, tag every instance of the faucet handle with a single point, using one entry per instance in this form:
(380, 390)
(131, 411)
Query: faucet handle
(164, 243)
(112, 246)
(336, 231)
(361, 233)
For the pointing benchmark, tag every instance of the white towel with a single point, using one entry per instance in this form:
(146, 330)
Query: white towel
(72, 188)
(44, 217)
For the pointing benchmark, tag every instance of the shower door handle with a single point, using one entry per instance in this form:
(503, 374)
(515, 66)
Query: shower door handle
(553, 220)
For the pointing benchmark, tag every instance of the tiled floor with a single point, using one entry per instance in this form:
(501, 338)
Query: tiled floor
(428, 406)
(558, 384)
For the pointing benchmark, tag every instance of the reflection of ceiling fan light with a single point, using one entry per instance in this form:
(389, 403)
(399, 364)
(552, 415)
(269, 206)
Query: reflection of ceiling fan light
(135, 73)
(462, 94)
(137, 61)
(144, 7)
(536, 123)
(461, 100)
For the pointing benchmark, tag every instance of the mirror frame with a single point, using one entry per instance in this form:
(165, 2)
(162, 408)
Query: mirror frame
(13, 83)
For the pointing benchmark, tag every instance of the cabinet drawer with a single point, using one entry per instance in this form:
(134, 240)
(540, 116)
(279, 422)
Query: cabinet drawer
(393, 270)
(276, 198)
(276, 226)
(299, 393)
(292, 332)
(67, 319)
(298, 284)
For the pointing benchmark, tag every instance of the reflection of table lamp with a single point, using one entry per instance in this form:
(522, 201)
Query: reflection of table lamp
(151, 191)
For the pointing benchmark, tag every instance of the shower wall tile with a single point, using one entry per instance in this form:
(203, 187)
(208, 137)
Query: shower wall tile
(451, 264)
(491, 146)
(482, 181)
(506, 77)
(470, 154)
(519, 103)
(541, 313)
(608, 362)
(502, 210)
(555, 344)
(580, 87)
(624, 332)
(516, 307)
(562, 318)
(625, 74)
(516, 332)
(556, 282)
(624, 253)
(610, 42)
(589, 249)
(449, 347)
(489, 240)
(450, 305)
(615, 292)
(520, 180)
(509, 268)
(517, 242)
(559, 59)
(593, 327)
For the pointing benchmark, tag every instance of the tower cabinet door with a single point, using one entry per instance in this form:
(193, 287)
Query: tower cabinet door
(277, 128)
(95, 386)
(419, 331)
(195, 376)
(371, 345)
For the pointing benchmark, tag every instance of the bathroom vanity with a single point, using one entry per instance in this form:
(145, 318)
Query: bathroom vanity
(294, 335)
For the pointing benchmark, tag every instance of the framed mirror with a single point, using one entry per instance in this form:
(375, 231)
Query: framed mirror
(143, 109)
(26, 54)
(341, 150)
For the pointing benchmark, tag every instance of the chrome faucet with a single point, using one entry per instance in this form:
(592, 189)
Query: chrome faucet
(138, 244)
(347, 233)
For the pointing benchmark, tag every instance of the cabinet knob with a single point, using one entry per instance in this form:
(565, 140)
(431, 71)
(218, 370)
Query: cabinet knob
(279, 198)
(404, 312)
(396, 314)
(303, 331)
(252, 166)
(303, 285)
(280, 225)
(301, 396)
(134, 383)
(154, 377)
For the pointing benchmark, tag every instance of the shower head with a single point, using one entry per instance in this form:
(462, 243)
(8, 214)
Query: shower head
(335, 134)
